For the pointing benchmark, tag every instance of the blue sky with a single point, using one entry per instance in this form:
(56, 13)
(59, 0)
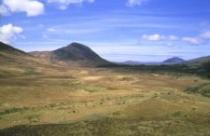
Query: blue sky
(119, 30)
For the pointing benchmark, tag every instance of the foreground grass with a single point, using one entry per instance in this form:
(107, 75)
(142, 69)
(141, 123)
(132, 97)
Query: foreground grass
(101, 102)
(112, 127)
(142, 119)
(203, 89)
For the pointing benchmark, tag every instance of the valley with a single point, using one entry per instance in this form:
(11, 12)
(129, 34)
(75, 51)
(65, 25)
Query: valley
(38, 97)
(104, 68)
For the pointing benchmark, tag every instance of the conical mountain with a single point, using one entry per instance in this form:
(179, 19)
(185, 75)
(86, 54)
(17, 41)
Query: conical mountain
(174, 60)
(78, 53)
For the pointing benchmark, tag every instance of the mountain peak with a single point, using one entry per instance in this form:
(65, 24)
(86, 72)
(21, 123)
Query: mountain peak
(174, 60)
(79, 53)
(77, 44)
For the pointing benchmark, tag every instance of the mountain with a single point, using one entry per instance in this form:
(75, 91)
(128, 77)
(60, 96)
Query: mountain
(14, 62)
(199, 66)
(73, 54)
(10, 54)
(199, 61)
(7, 49)
(174, 60)
(202, 65)
(78, 53)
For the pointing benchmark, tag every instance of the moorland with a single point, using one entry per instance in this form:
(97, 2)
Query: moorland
(72, 91)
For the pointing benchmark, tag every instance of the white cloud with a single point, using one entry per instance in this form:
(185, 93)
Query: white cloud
(197, 40)
(158, 37)
(31, 7)
(9, 31)
(63, 4)
(135, 2)
(192, 40)
(153, 37)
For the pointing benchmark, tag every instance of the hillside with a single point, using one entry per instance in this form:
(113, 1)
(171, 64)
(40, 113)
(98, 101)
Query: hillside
(8, 53)
(202, 65)
(15, 62)
(9, 49)
(199, 61)
(12, 60)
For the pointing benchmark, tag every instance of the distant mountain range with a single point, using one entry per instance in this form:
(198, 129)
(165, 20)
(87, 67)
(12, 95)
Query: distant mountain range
(170, 61)
(76, 54)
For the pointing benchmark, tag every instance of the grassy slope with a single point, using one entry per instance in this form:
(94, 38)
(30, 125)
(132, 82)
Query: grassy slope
(84, 101)
(15, 63)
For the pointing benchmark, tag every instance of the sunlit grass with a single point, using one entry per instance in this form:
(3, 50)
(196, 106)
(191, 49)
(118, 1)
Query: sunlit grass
(97, 101)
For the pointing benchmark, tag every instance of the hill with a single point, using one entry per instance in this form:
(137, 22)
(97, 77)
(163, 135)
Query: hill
(15, 62)
(174, 60)
(79, 54)
(199, 61)
(9, 49)
(10, 53)
(201, 64)
(73, 54)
